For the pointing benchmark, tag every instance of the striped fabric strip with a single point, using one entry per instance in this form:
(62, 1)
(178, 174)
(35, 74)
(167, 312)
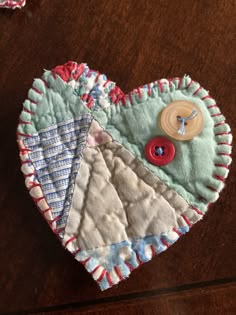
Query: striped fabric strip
(65, 126)
(56, 155)
(50, 152)
(51, 140)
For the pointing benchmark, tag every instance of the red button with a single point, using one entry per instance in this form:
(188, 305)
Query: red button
(160, 151)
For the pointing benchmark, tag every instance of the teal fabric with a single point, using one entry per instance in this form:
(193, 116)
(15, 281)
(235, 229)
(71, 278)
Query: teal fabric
(191, 171)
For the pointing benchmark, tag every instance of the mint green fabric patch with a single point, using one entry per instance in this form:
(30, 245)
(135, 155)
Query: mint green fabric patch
(51, 106)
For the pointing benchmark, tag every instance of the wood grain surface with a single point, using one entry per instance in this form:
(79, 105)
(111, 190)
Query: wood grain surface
(133, 42)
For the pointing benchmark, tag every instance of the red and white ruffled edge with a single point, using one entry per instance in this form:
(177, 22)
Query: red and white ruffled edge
(11, 4)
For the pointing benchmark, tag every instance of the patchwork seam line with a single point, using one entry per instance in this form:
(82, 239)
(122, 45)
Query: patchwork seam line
(167, 85)
(161, 87)
(71, 245)
(223, 138)
(32, 181)
(187, 221)
(56, 177)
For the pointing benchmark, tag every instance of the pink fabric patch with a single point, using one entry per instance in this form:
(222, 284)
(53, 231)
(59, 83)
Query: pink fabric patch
(97, 135)
(11, 4)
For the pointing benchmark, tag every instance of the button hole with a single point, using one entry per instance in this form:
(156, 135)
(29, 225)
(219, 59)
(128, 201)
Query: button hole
(159, 151)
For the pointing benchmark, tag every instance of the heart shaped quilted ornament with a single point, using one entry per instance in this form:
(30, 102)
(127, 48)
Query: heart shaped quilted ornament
(120, 178)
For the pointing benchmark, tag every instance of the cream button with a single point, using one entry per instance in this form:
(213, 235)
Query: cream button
(182, 120)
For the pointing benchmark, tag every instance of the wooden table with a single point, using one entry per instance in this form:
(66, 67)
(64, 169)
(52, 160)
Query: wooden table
(133, 42)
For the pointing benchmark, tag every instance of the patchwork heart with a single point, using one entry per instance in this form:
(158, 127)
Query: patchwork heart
(120, 177)
(12, 4)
